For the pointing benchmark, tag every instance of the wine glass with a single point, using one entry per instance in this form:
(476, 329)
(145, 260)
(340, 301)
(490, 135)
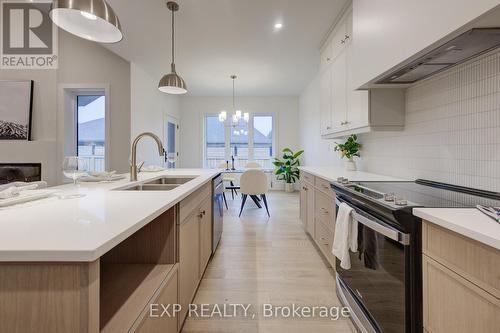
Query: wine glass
(75, 167)
(171, 158)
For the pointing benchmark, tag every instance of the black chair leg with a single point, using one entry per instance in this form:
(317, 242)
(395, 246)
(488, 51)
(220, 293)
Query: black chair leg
(225, 201)
(265, 203)
(256, 200)
(236, 192)
(243, 200)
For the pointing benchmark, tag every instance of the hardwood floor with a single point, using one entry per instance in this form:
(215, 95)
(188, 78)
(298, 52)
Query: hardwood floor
(267, 261)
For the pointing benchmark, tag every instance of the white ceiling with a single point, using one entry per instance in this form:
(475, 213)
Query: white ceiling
(216, 38)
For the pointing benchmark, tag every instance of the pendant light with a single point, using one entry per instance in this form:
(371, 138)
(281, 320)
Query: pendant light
(237, 116)
(93, 20)
(172, 83)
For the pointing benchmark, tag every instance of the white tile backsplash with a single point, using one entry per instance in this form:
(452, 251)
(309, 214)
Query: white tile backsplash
(452, 129)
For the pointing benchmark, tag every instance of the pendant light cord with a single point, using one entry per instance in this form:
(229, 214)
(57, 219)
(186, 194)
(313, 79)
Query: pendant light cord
(173, 39)
(234, 107)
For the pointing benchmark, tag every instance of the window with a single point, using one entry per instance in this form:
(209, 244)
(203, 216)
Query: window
(263, 140)
(239, 145)
(214, 142)
(91, 133)
(252, 141)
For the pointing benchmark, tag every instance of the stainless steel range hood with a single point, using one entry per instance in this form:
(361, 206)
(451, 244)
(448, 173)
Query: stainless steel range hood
(466, 46)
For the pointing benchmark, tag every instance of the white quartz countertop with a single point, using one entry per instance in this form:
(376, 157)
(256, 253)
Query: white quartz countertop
(468, 222)
(83, 229)
(331, 174)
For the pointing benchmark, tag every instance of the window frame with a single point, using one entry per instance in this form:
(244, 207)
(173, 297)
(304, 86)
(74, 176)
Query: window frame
(227, 136)
(66, 119)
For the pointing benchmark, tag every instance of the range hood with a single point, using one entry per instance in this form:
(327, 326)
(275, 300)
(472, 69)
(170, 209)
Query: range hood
(466, 46)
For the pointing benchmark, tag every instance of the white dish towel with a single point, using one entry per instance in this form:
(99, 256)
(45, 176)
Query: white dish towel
(346, 235)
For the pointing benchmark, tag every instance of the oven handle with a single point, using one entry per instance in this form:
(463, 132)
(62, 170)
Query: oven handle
(377, 225)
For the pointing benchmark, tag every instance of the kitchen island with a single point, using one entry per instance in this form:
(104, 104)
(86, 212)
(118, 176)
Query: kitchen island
(97, 262)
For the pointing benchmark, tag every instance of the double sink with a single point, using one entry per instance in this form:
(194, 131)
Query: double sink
(159, 184)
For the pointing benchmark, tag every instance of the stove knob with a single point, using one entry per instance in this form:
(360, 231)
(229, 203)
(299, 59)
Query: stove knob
(400, 201)
(389, 196)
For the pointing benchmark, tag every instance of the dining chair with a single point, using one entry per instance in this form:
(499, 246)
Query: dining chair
(253, 165)
(228, 178)
(253, 183)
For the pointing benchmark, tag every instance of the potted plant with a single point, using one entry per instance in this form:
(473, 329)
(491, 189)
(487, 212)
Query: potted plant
(287, 168)
(349, 149)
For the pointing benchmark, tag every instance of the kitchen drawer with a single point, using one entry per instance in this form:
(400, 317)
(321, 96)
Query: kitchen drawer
(324, 239)
(454, 304)
(324, 185)
(167, 294)
(304, 176)
(325, 209)
(476, 262)
(193, 200)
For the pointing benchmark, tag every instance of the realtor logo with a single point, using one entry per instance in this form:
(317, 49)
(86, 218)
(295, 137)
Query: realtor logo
(28, 36)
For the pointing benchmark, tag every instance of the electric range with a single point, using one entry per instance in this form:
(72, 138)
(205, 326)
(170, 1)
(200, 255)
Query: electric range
(383, 287)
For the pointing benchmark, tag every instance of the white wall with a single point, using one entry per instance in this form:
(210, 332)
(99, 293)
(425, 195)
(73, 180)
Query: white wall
(84, 62)
(80, 61)
(149, 107)
(192, 109)
(317, 150)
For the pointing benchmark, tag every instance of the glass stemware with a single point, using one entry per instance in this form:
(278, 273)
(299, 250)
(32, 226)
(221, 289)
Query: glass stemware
(75, 167)
(171, 159)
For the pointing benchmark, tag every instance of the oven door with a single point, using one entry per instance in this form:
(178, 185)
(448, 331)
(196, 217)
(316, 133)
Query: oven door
(375, 287)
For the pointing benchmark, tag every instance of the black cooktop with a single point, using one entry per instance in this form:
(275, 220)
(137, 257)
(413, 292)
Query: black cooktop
(422, 193)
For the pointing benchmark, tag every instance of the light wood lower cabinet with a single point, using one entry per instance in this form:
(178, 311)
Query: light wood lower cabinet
(205, 235)
(189, 261)
(195, 245)
(307, 205)
(453, 304)
(460, 283)
(160, 322)
(317, 212)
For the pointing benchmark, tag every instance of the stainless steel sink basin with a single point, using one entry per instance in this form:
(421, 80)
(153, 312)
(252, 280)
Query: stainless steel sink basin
(170, 180)
(151, 187)
(160, 184)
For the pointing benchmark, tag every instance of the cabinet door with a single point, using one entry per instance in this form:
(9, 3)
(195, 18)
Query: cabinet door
(326, 56)
(358, 112)
(310, 210)
(339, 39)
(205, 234)
(339, 93)
(326, 101)
(453, 304)
(164, 324)
(189, 260)
(303, 203)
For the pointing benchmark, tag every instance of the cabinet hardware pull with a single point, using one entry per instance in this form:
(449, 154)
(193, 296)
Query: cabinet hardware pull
(328, 127)
(346, 37)
(328, 59)
(342, 41)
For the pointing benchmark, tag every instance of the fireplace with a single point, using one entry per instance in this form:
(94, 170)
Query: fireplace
(20, 172)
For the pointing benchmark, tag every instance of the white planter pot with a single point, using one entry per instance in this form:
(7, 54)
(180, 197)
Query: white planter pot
(289, 187)
(350, 165)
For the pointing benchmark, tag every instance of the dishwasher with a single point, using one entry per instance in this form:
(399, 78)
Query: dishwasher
(217, 211)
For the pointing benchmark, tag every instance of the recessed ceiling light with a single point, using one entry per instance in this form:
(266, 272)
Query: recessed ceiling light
(278, 26)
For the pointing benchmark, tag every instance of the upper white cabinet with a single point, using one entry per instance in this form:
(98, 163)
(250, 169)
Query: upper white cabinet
(344, 109)
(389, 33)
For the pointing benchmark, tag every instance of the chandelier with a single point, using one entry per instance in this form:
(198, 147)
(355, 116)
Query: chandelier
(237, 118)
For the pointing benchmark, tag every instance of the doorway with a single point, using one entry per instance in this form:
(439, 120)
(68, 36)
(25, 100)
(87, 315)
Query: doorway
(171, 141)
